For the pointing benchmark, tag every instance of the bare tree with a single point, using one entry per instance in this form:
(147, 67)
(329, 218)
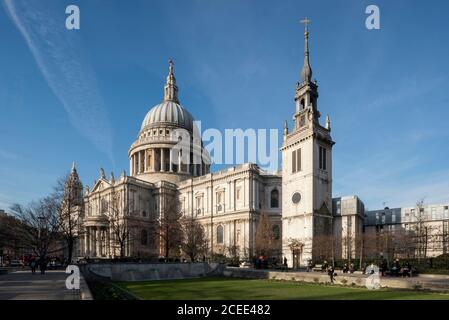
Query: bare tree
(39, 227)
(168, 226)
(194, 239)
(264, 241)
(118, 212)
(324, 247)
(422, 230)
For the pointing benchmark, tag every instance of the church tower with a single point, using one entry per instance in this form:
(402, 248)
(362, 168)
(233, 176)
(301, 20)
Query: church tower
(306, 174)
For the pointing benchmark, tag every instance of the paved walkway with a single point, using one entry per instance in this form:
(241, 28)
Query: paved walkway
(22, 285)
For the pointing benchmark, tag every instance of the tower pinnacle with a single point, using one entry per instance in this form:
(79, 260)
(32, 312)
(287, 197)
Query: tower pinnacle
(306, 72)
(170, 88)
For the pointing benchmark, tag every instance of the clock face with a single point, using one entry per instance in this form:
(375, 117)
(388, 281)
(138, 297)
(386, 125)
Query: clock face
(296, 198)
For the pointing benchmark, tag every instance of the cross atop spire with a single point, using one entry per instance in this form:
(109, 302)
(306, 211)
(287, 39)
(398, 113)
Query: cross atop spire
(306, 22)
(306, 72)
(170, 88)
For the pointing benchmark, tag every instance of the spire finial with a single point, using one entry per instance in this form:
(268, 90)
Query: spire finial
(170, 88)
(73, 167)
(102, 175)
(285, 129)
(328, 122)
(306, 73)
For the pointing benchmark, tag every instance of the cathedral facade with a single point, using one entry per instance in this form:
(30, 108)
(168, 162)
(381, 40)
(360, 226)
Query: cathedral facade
(228, 203)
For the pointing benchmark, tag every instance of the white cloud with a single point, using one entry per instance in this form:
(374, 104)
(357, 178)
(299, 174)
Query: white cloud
(69, 76)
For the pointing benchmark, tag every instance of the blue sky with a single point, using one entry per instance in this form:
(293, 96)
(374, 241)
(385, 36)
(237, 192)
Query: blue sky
(81, 95)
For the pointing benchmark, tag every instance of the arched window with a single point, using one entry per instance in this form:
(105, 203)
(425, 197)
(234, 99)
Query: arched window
(220, 234)
(276, 232)
(274, 198)
(144, 237)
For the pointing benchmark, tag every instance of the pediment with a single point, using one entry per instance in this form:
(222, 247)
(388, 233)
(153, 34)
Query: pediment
(101, 185)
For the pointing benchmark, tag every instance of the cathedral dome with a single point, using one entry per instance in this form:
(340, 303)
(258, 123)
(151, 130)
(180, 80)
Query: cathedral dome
(168, 113)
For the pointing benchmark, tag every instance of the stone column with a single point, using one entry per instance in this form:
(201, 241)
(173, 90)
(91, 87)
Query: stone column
(108, 243)
(97, 242)
(85, 243)
(171, 160)
(139, 161)
(131, 165)
(162, 160)
(145, 160)
(179, 161)
(91, 242)
(153, 160)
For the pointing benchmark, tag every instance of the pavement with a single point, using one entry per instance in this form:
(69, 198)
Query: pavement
(23, 285)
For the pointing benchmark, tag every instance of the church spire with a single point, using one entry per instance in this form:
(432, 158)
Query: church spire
(170, 88)
(306, 72)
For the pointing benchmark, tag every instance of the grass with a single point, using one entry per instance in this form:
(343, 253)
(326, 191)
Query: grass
(244, 289)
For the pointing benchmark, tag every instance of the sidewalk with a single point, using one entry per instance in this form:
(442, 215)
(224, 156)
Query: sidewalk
(22, 285)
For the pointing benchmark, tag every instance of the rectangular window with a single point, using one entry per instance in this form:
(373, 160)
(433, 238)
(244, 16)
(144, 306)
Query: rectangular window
(322, 158)
(434, 213)
(446, 212)
(393, 218)
(294, 161)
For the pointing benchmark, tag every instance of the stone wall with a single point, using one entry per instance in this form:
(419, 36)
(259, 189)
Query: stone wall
(149, 271)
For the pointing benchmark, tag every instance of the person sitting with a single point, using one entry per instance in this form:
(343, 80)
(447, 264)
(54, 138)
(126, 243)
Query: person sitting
(351, 267)
(345, 268)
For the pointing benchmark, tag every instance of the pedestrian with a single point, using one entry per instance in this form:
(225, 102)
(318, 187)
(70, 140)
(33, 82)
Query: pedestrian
(345, 268)
(331, 273)
(309, 265)
(33, 266)
(285, 263)
(351, 267)
(42, 265)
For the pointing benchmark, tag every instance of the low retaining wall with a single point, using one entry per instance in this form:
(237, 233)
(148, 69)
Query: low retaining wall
(85, 293)
(149, 271)
(358, 280)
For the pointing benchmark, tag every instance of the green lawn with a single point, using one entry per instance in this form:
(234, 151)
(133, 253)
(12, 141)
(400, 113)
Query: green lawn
(242, 289)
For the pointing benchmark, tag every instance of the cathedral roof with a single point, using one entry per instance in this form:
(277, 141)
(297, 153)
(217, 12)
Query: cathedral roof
(168, 113)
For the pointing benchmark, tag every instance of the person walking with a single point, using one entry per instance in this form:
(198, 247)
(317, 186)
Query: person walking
(285, 263)
(331, 273)
(33, 266)
(42, 265)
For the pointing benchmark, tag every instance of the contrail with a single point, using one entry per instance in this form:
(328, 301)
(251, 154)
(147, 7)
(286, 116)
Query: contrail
(69, 76)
